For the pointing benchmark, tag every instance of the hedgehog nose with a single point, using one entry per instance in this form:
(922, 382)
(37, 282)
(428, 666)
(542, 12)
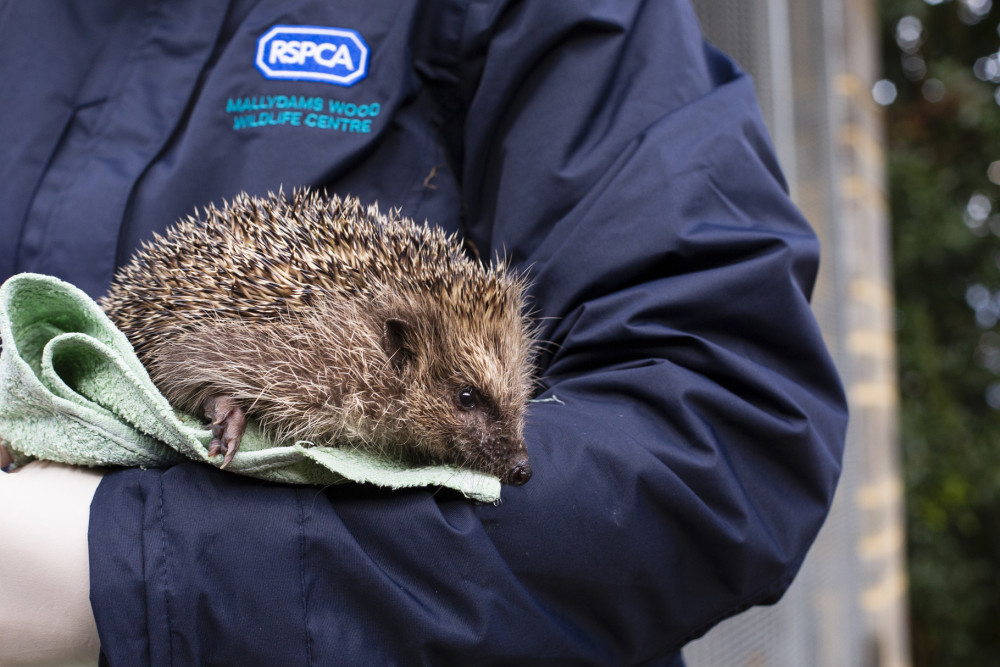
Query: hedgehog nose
(520, 473)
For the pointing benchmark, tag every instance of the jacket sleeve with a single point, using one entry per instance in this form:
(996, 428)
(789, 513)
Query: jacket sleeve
(694, 449)
(687, 441)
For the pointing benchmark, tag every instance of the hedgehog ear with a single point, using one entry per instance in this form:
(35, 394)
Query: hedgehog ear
(396, 342)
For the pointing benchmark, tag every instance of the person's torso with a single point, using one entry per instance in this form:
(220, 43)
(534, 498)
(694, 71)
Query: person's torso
(124, 118)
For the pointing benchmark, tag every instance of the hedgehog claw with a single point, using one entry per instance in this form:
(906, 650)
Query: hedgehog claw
(228, 422)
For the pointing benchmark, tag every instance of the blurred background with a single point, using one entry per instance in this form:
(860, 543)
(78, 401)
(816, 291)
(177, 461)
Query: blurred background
(886, 117)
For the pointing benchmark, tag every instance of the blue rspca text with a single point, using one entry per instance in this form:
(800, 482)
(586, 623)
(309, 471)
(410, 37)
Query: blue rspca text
(313, 53)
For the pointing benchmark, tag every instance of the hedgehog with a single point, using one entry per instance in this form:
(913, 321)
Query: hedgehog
(330, 323)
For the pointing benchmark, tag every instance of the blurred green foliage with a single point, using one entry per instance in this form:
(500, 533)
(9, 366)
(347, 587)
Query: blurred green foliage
(943, 132)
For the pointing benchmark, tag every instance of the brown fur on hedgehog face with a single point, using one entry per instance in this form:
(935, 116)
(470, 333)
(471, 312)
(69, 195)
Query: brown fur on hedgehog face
(465, 383)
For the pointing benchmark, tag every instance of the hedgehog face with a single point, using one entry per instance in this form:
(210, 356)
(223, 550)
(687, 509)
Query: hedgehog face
(487, 433)
(465, 396)
(459, 424)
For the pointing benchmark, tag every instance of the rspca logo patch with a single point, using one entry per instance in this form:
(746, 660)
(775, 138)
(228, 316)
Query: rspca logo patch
(313, 53)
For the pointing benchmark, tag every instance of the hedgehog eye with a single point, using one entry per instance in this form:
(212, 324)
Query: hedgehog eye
(466, 398)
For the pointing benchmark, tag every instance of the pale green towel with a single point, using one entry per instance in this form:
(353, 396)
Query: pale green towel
(72, 390)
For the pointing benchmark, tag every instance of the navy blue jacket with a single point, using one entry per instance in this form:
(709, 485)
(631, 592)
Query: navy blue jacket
(694, 448)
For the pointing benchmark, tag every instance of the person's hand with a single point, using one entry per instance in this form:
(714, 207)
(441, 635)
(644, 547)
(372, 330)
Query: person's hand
(45, 615)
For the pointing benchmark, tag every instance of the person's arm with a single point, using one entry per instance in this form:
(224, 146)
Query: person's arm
(696, 445)
(45, 615)
(689, 444)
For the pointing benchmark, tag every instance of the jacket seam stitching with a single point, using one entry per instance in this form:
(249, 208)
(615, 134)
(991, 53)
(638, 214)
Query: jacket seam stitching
(302, 580)
(164, 575)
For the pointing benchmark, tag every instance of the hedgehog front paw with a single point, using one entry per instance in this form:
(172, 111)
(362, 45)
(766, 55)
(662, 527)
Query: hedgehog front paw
(228, 422)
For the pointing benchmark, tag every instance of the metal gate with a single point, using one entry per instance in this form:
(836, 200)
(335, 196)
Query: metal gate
(813, 65)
